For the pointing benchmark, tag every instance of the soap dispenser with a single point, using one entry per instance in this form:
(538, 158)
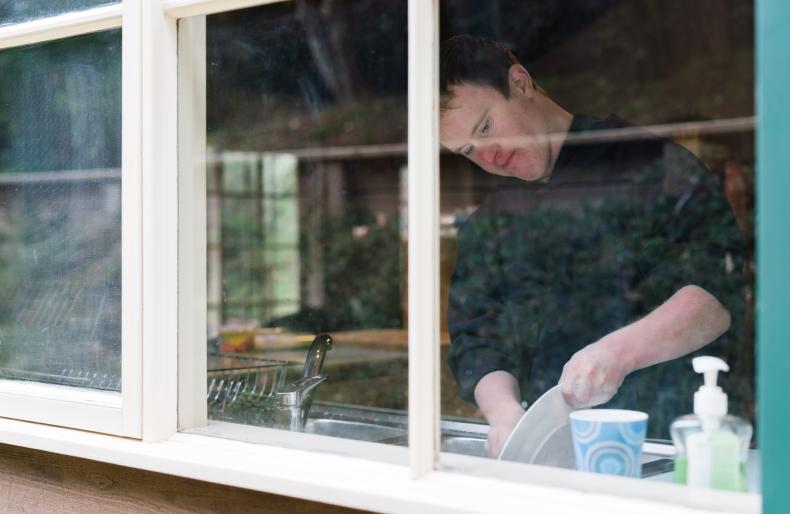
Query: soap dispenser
(711, 447)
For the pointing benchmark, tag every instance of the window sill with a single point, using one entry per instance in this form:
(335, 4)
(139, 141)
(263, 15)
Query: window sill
(65, 406)
(351, 481)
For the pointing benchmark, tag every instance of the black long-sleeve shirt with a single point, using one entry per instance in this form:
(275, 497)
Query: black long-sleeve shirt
(544, 269)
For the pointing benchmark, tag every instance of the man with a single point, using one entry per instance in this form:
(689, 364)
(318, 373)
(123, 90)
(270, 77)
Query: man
(583, 292)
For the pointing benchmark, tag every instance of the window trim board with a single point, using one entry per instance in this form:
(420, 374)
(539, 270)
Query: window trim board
(773, 249)
(187, 8)
(347, 480)
(61, 26)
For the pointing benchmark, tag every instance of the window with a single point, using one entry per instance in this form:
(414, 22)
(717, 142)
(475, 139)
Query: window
(305, 230)
(703, 139)
(242, 154)
(63, 361)
(568, 251)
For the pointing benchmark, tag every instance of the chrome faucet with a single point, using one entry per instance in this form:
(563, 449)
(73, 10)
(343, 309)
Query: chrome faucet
(316, 354)
(298, 396)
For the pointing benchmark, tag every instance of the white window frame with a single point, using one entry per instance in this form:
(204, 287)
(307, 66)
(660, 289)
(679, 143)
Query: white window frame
(108, 412)
(164, 280)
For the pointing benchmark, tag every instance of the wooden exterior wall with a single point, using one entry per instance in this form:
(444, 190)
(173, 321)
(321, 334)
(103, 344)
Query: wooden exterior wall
(33, 481)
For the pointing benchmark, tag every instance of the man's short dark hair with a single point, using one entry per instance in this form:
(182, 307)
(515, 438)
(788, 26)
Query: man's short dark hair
(473, 60)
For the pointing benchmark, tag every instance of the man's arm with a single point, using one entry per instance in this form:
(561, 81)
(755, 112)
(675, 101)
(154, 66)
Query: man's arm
(697, 242)
(477, 320)
(483, 357)
(687, 321)
(499, 398)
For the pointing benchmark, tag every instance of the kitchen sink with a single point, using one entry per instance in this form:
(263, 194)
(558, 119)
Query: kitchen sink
(466, 445)
(390, 427)
(455, 442)
(353, 430)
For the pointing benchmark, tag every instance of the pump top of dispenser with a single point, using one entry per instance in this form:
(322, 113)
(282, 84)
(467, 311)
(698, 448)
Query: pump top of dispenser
(710, 401)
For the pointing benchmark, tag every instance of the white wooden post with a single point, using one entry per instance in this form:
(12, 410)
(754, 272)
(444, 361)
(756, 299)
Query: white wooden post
(159, 55)
(423, 209)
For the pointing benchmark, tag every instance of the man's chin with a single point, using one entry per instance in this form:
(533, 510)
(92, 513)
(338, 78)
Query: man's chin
(529, 175)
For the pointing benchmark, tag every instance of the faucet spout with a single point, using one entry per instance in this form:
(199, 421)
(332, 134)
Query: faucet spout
(316, 354)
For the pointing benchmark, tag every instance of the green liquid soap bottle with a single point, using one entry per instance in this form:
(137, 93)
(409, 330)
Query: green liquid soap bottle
(711, 447)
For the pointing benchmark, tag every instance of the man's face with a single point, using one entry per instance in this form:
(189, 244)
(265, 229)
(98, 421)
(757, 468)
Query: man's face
(504, 136)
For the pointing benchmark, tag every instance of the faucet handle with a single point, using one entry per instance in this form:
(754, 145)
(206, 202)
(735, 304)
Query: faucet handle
(295, 392)
(306, 384)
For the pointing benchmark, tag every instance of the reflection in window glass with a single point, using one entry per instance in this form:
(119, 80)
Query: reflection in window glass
(597, 208)
(60, 212)
(14, 11)
(306, 118)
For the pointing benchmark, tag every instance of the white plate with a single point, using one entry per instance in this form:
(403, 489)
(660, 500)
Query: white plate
(543, 434)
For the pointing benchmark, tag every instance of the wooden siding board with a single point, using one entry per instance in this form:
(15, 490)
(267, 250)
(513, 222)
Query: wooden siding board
(37, 481)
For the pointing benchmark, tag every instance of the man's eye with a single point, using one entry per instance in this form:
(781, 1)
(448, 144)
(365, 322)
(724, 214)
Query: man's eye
(486, 127)
(467, 151)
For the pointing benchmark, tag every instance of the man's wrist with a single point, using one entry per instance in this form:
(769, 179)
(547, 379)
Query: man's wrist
(506, 413)
(621, 345)
(499, 398)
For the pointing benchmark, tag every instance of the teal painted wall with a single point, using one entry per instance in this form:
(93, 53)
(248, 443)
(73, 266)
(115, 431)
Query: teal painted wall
(773, 247)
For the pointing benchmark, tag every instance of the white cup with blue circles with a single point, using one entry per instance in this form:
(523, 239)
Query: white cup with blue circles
(609, 441)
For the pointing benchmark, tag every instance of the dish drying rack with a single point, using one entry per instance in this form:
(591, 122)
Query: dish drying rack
(236, 384)
(241, 385)
(68, 377)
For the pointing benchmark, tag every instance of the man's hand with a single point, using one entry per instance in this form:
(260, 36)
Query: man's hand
(592, 376)
(501, 426)
(498, 396)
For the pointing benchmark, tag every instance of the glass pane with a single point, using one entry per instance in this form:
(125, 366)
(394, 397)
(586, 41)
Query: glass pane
(60, 212)
(597, 214)
(15, 11)
(306, 114)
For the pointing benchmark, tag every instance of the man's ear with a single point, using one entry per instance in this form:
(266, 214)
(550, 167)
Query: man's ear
(520, 80)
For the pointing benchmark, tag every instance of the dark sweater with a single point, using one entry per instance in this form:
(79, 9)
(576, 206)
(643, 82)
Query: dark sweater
(546, 269)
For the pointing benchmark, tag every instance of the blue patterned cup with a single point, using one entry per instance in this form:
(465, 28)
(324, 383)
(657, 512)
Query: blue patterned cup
(609, 441)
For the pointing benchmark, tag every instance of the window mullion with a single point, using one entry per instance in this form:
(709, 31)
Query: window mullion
(158, 101)
(423, 185)
(192, 408)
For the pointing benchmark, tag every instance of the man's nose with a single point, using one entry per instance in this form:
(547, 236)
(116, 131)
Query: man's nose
(489, 154)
